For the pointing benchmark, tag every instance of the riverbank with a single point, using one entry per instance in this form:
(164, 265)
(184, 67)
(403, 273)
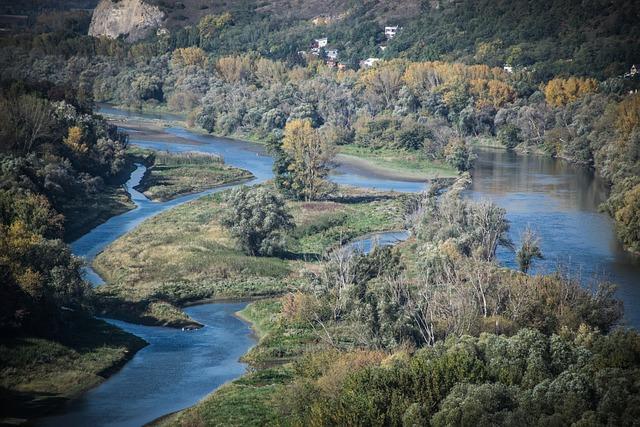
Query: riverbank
(393, 164)
(185, 255)
(251, 399)
(170, 175)
(82, 215)
(390, 164)
(40, 375)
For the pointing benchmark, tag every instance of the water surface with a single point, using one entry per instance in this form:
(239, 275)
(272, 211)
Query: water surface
(560, 202)
(173, 372)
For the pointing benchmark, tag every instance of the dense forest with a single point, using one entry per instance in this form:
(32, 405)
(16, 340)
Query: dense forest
(434, 332)
(57, 160)
(240, 73)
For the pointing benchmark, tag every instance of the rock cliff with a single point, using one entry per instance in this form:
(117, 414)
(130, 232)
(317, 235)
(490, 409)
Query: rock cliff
(134, 19)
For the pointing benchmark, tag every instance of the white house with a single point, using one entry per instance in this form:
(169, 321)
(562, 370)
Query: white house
(390, 32)
(321, 42)
(508, 69)
(332, 54)
(369, 62)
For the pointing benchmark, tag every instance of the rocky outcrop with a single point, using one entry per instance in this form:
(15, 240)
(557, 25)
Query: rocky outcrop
(134, 19)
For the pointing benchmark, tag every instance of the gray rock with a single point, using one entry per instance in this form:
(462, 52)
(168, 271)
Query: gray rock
(133, 18)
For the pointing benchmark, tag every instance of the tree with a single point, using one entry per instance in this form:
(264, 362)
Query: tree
(310, 156)
(257, 217)
(509, 136)
(628, 218)
(529, 250)
(459, 155)
(628, 114)
(25, 122)
(560, 92)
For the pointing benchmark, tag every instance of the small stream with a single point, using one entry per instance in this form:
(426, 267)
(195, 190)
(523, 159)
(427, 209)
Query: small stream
(179, 368)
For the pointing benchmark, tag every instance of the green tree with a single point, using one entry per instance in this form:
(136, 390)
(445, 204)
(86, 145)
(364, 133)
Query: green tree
(258, 218)
(459, 155)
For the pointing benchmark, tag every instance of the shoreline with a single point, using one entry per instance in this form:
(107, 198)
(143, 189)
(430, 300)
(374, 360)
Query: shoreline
(154, 130)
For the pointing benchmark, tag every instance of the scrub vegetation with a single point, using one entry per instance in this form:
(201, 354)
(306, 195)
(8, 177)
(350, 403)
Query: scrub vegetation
(430, 332)
(442, 338)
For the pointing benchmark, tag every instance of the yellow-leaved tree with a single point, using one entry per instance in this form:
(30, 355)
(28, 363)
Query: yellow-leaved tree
(310, 158)
(189, 56)
(628, 114)
(74, 140)
(560, 92)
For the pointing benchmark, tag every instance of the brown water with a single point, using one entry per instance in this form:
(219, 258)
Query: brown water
(560, 201)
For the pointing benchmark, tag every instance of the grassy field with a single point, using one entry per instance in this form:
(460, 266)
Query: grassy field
(185, 255)
(38, 375)
(397, 163)
(175, 174)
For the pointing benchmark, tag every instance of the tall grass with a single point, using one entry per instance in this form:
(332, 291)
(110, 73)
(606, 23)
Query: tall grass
(187, 158)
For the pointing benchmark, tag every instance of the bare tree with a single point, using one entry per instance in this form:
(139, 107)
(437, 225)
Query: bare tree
(26, 121)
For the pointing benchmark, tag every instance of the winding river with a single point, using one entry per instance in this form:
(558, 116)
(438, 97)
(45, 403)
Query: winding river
(178, 368)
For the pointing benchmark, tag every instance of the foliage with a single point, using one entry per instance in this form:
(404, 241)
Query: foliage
(257, 218)
(560, 92)
(526, 379)
(459, 155)
(52, 156)
(310, 156)
(529, 250)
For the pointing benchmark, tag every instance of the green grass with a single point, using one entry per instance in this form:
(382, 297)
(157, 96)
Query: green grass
(490, 142)
(185, 255)
(176, 174)
(321, 225)
(400, 163)
(38, 374)
(249, 401)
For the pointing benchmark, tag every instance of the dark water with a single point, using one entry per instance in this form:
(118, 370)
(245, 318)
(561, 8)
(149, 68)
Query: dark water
(174, 372)
(560, 201)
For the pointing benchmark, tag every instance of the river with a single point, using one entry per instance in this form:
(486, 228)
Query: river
(558, 200)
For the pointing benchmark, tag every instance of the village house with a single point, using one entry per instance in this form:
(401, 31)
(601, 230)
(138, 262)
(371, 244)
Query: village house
(320, 43)
(317, 45)
(332, 54)
(390, 32)
(508, 68)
